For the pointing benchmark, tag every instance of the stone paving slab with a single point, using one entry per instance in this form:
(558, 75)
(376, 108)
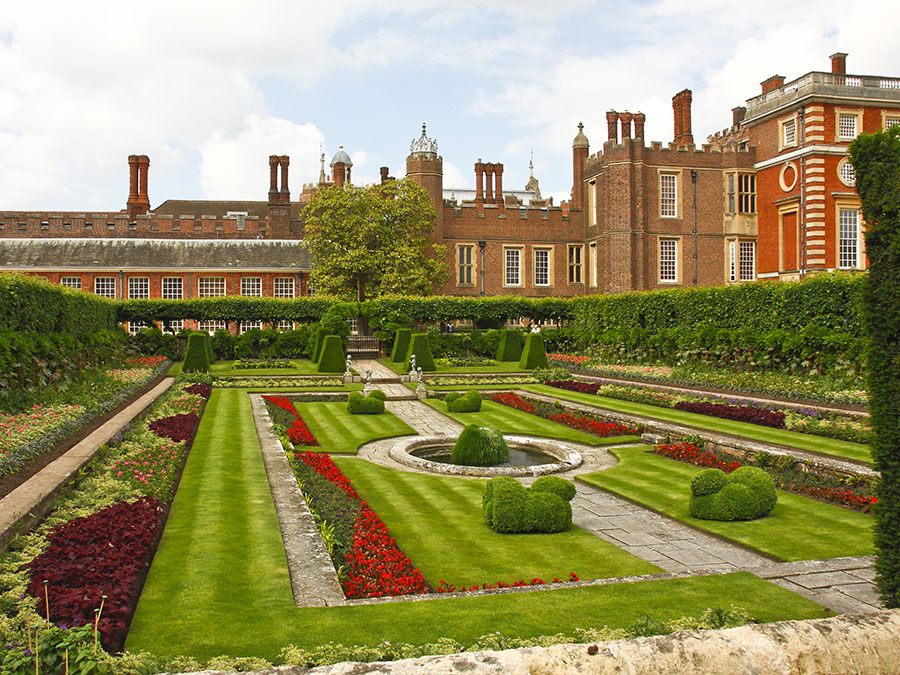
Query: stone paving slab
(396, 392)
(31, 499)
(379, 370)
(314, 582)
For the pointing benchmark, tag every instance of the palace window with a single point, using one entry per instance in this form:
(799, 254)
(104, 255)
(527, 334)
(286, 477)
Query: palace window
(847, 125)
(747, 261)
(284, 326)
(105, 286)
(732, 260)
(847, 173)
(71, 282)
(172, 288)
(249, 325)
(668, 195)
(173, 326)
(746, 193)
(251, 286)
(210, 287)
(891, 121)
(541, 267)
(848, 239)
(464, 261)
(211, 326)
(310, 287)
(789, 133)
(284, 287)
(731, 193)
(668, 260)
(575, 264)
(138, 287)
(513, 260)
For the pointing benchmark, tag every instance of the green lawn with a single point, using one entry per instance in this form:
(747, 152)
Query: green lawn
(303, 367)
(219, 582)
(793, 439)
(437, 521)
(798, 528)
(340, 432)
(511, 421)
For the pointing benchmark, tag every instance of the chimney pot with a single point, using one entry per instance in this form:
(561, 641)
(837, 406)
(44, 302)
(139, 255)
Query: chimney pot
(737, 115)
(772, 83)
(839, 63)
(612, 125)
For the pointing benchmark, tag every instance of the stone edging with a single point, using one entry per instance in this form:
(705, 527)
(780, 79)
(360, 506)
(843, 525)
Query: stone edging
(569, 458)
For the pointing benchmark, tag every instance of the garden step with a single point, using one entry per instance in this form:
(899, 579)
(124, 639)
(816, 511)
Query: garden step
(396, 392)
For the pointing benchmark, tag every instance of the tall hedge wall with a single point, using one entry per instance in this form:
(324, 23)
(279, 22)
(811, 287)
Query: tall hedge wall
(32, 304)
(829, 300)
(876, 158)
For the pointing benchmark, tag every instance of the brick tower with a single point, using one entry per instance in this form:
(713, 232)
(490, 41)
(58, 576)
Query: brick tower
(426, 168)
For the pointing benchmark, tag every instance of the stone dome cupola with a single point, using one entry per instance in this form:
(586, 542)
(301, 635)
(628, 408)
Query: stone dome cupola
(581, 140)
(340, 167)
(341, 157)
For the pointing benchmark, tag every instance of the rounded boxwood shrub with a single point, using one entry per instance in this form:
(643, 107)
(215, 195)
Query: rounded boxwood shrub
(510, 347)
(487, 498)
(746, 494)
(452, 396)
(533, 354)
(469, 402)
(332, 359)
(377, 393)
(196, 358)
(556, 485)
(507, 506)
(401, 345)
(547, 512)
(418, 345)
(357, 404)
(479, 446)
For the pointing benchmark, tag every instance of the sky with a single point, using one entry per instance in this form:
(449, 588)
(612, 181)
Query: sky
(209, 89)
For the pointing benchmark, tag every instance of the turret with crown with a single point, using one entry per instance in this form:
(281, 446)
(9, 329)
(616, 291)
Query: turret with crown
(426, 168)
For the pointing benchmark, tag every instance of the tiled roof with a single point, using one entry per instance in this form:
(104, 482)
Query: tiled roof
(150, 254)
(199, 207)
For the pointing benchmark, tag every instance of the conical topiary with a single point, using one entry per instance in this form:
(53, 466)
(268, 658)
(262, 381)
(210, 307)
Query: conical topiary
(401, 345)
(510, 347)
(196, 357)
(534, 355)
(332, 359)
(418, 345)
(317, 346)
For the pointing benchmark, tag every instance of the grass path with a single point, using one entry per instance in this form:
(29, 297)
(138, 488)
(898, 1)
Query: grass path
(219, 581)
(793, 439)
(340, 432)
(438, 523)
(798, 528)
(511, 421)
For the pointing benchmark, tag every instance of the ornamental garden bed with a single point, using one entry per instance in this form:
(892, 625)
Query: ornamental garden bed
(33, 439)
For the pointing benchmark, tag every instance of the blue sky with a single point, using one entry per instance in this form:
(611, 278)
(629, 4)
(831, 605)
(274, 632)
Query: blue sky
(209, 89)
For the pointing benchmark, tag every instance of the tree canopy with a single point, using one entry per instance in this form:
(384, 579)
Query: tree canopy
(369, 242)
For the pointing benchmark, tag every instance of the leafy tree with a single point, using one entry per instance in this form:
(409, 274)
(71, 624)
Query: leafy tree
(369, 242)
(876, 158)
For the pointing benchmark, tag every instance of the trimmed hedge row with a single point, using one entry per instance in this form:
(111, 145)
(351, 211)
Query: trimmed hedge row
(31, 304)
(463, 403)
(373, 404)
(747, 493)
(510, 507)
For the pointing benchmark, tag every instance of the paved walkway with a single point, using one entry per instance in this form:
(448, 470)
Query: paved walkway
(30, 501)
(379, 370)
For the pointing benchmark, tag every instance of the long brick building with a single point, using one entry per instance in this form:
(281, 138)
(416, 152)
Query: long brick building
(772, 196)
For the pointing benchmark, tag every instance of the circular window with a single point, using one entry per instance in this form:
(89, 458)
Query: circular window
(788, 176)
(847, 173)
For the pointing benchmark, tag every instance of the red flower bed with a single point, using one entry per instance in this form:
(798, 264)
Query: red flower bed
(298, 432)
(691, 454)
(375, 565)
(445, 587)
(568, 358)
(837, 495)
(740, 413)
(177, 427)
(144, 361)
(514, 401)
(101, 554)
(203, 390)
(581, 423)
(576, 385)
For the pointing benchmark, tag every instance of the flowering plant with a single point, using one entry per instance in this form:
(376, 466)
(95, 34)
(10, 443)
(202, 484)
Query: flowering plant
(446, 587)
(582, 423)
(297, 431)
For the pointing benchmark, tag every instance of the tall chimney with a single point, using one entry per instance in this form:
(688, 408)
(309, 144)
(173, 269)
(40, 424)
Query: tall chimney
(687, 134)
(273, 177)
(772, 83)
(498, 188)
(639, 119)
(285, 190)
(625, 118)
(384, 174)
(489, 182)
(676, 114)
(612, 126)
(737, 115)
(479, 181)
(838, 63)
(580, 150)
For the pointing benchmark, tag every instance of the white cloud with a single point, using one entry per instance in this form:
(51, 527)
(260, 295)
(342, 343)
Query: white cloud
(237, 167)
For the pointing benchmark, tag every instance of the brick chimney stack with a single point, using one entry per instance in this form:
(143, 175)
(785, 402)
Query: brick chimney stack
(838, 63)
(772, 83)
(737, 115)
(489, 182)
(498, 186)
(681, 110)
(479, 182)
(612, 126)
(285, 190)
(276, 195)
(138, 198)
(580, 150)
(384, 174)
(639, 119)
(625, 119)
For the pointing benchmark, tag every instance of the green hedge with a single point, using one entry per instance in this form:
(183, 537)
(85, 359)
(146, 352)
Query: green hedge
(196, 358)
(401, 345)
(747, 493)
(34, 304)
(357, 404)
(418, 345)
(463, 403)
(533, 354)
(509, 507)
(479, 446)
(510, 347)
(229, 308)
(876, 159)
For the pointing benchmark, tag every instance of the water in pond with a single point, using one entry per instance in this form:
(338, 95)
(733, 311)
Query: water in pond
(517, 456)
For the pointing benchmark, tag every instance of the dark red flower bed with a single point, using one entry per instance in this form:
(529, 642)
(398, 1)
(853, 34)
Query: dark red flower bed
(104, 554)
(739, 413)
(582, 423)
(375, 564)
(691, 454)
(446, 587)
(203, 390)
(298, 432)
(836, 495)
(177, 427)
(576, 385)
(144, 361)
